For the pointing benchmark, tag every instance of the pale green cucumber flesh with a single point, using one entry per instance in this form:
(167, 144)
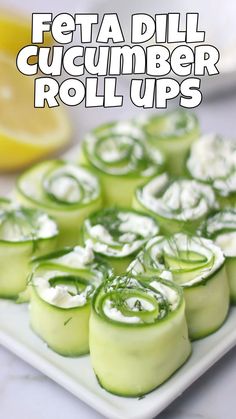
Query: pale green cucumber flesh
(132, 361)
(69, 218)
(64, 330)
(14, 276)
(167, 225)
(207, 305)
(230, 266)
(118, 190)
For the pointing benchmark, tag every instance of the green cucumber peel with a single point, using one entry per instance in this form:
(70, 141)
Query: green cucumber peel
(117, 234)
(198, 266)
(134, 324)
(179, 204)
(57, 169)
(118, 149)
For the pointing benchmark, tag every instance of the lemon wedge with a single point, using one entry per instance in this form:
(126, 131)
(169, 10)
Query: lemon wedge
(26, 134)
(15, 32)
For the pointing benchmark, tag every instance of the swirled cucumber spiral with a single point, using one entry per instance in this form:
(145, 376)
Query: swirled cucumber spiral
(118, 154)
(61, 289)
(137, 327)
(172, 133)
(177, 204)
(221, 228)
(67, 192)
(24, 233)
(118, 234)
(213, 160)
(196, 264)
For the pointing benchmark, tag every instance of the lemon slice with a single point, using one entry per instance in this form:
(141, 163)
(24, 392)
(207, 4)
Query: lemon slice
(15, 32)
(26, 134)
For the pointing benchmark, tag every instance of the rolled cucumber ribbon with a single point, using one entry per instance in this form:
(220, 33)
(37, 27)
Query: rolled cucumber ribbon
(177, 204)
(119, 156)
(117, 235)
(67, 192)
(24, 233)
(221, 228)
(172, 133)
(61, 289)
(213, 160)
(196, 264)
(138, 334)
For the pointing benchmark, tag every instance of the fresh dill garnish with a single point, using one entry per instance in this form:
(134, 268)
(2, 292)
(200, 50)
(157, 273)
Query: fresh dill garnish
(67, 321)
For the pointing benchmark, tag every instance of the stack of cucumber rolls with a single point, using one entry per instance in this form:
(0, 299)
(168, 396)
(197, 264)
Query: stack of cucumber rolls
(118, 154)
(117, 235)
(138, 334)
(177, 204)
(128, 254)
(213, 160)
(197, 265)
(172, 133)
(67, 192)
(61, 289)
(221, 228)
(24, 233)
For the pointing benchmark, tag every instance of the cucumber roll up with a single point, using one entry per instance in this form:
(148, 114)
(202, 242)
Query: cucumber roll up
(173, 133)
(61, 289)
(118, 155)
(67, 192)
(138, 334)
(221, 228)
(196, 264)
(213, 160)
(24, 233)
(117, 235)
(177, 204)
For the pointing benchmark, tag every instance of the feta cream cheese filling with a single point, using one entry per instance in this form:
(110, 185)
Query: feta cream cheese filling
(57, 183)
(119, 149)
(127, 300)
(22, 224)
(121, 233)
(182, 200)
(213, 159)
(221, 228)
(65, 294)
(187, 260)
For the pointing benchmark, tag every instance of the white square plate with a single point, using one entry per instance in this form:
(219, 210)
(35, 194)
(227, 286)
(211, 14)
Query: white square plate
(76, 375)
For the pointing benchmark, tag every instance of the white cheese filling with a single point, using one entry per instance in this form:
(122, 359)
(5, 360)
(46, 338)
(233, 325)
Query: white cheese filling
(81, 188)
(60, 295)
(171, 294)
(79, 257)
(114, 314)
(182, 243)
(131, 226)
(181, 200)
(43, 228)
(213, 158)
(227, 242)
(115, 147)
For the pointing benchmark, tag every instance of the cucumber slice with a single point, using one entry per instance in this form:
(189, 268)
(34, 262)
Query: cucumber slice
(67, 192)
(137, 327)
(197, 265)
(117, 235)
(24, 232)
(213, 160)
(221, 228)
(119, 156)
(172, 133)
(61, 289)
(177, 204)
